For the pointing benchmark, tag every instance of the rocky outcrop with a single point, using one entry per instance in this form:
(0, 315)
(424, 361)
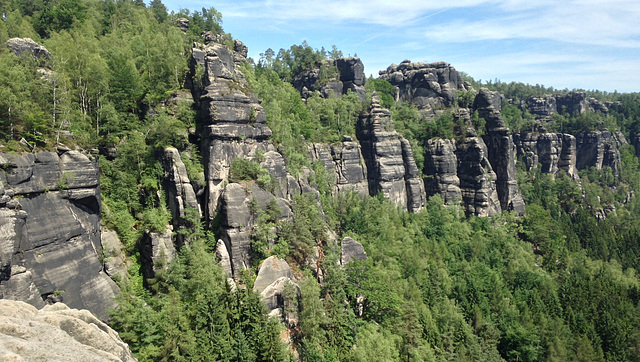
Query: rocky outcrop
(350, 76)
(273, 282)
(351, 250)
(19, 46)
(391, 168)
(234, 228)
(553, 151)
(556, 152)
(180, 192)
(156, 251)
(115, 262)
(599, 149)
(501, 151)
(56, 332)
(231, 119)
(430, 86)
(50, 247)
(477, 178)
(441, 170)
(573, 103)
(344, 163)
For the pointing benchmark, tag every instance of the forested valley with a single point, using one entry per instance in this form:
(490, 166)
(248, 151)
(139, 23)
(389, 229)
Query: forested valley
(439, 280)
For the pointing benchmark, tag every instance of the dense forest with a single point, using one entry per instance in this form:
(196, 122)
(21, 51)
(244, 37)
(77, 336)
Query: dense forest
(559, 282)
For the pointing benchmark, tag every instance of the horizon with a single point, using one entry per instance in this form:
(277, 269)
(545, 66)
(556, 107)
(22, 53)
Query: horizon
(588, 45)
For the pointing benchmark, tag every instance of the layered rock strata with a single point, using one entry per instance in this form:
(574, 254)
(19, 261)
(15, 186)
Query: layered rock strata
(430, 86)
(391, 169)
(350, 76)
(574, 103)
(50, 246)
(501, 150)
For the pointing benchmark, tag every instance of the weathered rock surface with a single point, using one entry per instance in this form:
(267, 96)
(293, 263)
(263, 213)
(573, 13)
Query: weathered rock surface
(344, 163)
(350, 77)
(430, 86)
(20, 46)
(351, 250)
(272, 280)
(157, 251)
(180, 192)
(501, 151)
(231, 119)
(441, 170)
(234, 228)
(391, 168)
(56, 332)
(115, 264)
(477, 178)
(51, 249)
(557, 151)
(574, 103)
(553, 151)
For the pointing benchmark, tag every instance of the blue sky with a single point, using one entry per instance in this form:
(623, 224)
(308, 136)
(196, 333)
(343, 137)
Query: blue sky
(588, 44)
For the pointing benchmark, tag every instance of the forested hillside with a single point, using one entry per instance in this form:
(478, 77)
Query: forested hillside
(287, 208)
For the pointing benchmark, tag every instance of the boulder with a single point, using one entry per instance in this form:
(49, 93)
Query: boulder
(351, 250)
(271, 269)
(19, 46)
(56, 332)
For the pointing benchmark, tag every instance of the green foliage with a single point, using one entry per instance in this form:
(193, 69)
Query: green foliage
(385, 91)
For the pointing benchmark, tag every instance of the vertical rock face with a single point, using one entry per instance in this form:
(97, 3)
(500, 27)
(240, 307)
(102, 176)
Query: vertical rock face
(430, 86)
(234, 229)
(477, 179)
(501, 150)
(157, 251)
(343, 162)
(350, 77)
(231, 119)
(50, 233)
(599, 149)
(441, 170)
(389, 169)
(351, 250)
(573, 103)
(180, 193)
(559, 151)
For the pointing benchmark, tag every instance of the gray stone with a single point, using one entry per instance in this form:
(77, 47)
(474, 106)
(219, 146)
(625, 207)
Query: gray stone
(20, 46)
(271, 269)
(180, 192)
(56, 332)
(157, 251)
(390, 164)
(223, 256)
(114, 257)
(430, 86)
(477, 178)
(351, 251)
(441, 170)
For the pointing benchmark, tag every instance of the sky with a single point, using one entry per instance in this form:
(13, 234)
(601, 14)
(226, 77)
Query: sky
(587, 44)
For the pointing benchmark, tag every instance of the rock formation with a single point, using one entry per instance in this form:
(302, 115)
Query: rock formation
(501, 150)
(430, 86)
(50, 245)
(19, 46)
(351, 250)
(391, 168)
(343, 162)
(441, 170)
(156, 251)
(559, 151)
(271, 283)
(180, 192)
(350, 76)
(56, 332)
(573, 103)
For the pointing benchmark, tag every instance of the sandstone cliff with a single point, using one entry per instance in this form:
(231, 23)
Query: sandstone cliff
(50, 247)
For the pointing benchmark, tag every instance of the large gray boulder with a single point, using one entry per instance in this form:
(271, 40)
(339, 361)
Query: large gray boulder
(276, 285)
(351, 250)
(56, 332)
(271, 269)
(19, 46)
